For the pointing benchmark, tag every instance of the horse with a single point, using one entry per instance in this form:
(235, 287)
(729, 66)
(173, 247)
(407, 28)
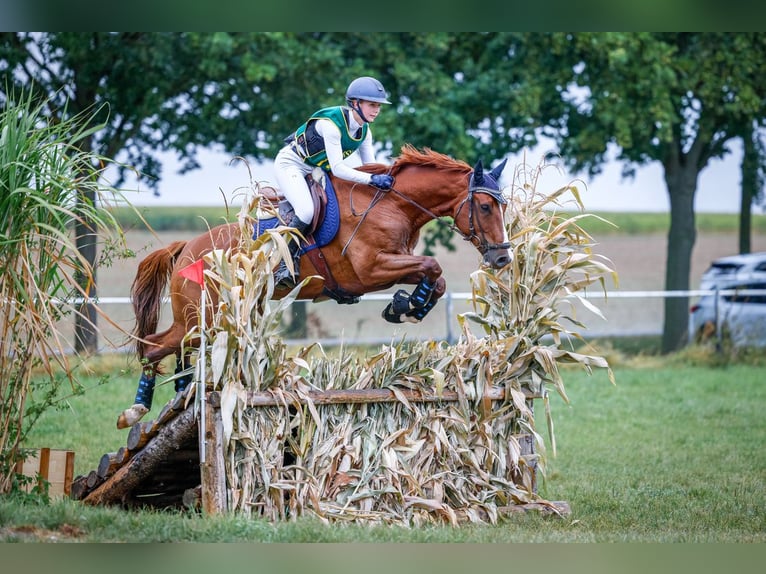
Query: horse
(372, 250)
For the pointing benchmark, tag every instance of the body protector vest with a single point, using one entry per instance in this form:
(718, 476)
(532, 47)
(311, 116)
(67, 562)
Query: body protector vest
(311, 145)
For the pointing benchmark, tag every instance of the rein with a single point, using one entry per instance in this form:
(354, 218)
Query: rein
(483, 246)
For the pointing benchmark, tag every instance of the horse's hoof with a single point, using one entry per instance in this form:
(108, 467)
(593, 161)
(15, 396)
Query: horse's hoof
(131, 416)
(389, 315)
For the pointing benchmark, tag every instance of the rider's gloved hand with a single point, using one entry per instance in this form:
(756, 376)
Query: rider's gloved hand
(382, 181)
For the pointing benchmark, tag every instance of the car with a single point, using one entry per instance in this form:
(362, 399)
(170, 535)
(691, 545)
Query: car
(737, 307)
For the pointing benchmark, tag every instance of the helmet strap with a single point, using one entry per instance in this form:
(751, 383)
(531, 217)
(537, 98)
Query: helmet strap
(358, 109)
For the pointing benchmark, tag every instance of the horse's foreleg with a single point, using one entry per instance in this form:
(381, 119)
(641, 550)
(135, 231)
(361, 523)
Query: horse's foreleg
(413, 308)
(422, 271)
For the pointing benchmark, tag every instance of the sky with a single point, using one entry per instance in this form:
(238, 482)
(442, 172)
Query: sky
(718, 185)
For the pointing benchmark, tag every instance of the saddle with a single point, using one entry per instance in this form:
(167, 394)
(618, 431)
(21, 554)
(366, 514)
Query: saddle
(324, 226)
(315, 181)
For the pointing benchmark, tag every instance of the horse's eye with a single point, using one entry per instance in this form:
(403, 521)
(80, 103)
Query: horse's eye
(485, 208)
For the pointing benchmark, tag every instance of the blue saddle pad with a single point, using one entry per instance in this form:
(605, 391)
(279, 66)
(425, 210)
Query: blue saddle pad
(325, 232)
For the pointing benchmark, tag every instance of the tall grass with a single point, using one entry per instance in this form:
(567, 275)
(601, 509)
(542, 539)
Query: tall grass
(672, 453)
(44, 180)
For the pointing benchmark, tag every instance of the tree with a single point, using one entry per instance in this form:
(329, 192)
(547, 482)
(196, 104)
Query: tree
(752, 169)
(675, 98)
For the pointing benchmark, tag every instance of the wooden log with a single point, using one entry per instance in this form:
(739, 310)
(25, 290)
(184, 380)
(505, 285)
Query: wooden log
(140, 434)
(192, 498)
(79, 488)
(111, 461)
(93, 479)
(120, 485)
(167, 413)
(359, 396)
(213, 469)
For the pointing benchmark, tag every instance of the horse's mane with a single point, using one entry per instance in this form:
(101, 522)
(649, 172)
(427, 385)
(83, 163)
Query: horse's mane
(426, 157)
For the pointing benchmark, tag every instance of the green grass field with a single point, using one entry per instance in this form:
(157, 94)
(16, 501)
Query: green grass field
(672, 453)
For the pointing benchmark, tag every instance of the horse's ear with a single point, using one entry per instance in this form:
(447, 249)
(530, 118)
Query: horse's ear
(495, 173)
(478, 173)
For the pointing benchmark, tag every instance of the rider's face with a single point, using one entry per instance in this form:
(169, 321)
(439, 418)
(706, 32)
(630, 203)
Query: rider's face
(370, 109)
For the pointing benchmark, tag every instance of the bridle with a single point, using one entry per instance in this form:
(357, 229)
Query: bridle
(482, 245)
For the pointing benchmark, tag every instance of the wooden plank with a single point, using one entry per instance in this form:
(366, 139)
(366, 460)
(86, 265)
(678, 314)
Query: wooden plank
(30, 467)
(43, 468)
(213, 470)
(69, 475)
(60, 470)
(357, 396)
(54, 466)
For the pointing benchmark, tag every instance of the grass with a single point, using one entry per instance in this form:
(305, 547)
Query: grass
(672, 453)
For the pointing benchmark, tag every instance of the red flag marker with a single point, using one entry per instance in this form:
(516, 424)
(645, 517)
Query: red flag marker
(194, 272)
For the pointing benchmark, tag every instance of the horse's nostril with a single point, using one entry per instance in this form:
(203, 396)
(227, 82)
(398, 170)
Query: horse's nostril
(501, 260)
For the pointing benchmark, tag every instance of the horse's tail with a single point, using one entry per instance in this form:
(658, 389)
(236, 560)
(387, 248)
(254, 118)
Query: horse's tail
(148, 288)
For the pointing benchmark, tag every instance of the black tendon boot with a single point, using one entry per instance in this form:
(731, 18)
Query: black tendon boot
(282, 276)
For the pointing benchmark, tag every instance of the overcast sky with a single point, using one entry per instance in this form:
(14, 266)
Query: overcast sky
(718, 192)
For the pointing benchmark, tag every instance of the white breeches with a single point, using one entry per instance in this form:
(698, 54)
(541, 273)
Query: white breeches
(290, 172)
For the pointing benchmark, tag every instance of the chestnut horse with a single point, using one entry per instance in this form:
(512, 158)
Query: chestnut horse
(371, 251)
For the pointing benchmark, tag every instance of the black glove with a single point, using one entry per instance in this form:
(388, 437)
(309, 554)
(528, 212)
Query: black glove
(382, 181)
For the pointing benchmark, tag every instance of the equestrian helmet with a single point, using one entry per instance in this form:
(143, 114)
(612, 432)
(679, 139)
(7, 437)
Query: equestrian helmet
(368, 89)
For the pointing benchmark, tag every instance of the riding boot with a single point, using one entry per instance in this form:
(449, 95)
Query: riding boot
(282, 276)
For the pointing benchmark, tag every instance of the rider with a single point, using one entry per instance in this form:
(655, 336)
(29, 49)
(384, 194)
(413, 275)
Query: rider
(325, 140)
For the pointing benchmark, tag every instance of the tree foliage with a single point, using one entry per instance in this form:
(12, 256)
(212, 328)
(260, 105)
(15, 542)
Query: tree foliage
(673, 98)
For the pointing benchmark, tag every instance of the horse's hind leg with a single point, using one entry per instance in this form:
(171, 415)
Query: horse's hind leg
(144, 396)
(182, 364)
(159, 346)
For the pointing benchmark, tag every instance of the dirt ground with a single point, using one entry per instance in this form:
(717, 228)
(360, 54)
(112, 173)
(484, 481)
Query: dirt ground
(639, 261)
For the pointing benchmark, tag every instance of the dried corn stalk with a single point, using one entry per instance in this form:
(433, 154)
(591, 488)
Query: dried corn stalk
(405, 461)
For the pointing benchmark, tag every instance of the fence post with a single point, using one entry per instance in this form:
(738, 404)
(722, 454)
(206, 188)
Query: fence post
(718, 322)
(449, 313)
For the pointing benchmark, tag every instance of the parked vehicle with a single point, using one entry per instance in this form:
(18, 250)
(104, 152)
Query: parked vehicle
(736, 309)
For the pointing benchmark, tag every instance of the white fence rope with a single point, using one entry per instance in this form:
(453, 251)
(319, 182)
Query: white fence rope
(450, 298)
